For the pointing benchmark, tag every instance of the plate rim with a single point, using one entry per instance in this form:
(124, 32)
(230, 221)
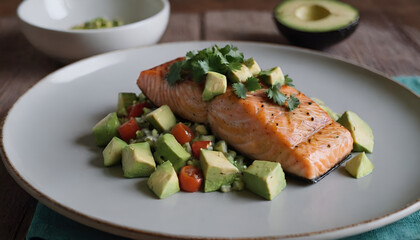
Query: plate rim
(112, 228)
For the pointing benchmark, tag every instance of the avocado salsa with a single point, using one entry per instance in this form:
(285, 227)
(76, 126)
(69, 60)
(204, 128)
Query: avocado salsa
(98, 23)
(175, 154)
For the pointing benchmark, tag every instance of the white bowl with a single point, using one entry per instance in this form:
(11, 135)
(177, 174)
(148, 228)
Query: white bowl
(47, 25)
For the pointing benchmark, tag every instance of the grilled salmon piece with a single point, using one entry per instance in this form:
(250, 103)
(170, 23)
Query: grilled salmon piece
(184, 98)
(305, 141)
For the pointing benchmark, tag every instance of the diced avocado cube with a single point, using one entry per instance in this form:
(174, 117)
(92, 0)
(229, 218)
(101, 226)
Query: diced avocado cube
(137, 160)
(265, 178)
(112, 153)
(221, 146)
(272, 76)
(141, 97)
(216, 84)
(240, 75)
(106, 129)
(163, 119)
(164, 181)
(169, 149)
(324, 107)
(124, 101)
(359, 166)
(231, 155)
(360, 131)
(253, 66)
(210, 138)
(200, 130)
(217, 170)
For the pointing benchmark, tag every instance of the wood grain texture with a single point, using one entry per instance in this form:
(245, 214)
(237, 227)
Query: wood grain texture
(183, 27)
(387, 40)
(21, 66)
(379, 43)
(246, 25)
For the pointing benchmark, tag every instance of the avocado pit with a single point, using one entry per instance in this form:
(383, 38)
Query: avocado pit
(311, 12)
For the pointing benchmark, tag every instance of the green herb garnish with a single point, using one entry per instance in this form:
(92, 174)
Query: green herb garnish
(174, 73)
(278, 97)
(225, 60)
(251, 84)
(288, 81)
(198, 64)
(240, 90)
(274, 94)
(292, 102)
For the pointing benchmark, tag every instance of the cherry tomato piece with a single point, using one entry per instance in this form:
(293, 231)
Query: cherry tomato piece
(128, 130)
(182, 133)
(197, 146)
(136, 110)
(190, 179)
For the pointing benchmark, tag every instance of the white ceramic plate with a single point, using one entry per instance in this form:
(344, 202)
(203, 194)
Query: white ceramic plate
(48, 148)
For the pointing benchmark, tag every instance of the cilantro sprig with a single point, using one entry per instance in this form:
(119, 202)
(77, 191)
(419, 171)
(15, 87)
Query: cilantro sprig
(288, 81)
(274, 94)
(278, 97)
(224, 60)
(292, 102)
(240, 90)
(198, 64)
(251, 84)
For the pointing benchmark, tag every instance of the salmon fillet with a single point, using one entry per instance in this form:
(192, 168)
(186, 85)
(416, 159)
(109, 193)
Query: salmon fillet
(305, 141)
(184, 98)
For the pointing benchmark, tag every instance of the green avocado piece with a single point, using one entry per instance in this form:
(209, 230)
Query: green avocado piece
(359, 166)
(210, 138)
(200, 129)
(106, 129)
(164, 181)
(217, 170)
(253, 66)
(137, 160)
(240, 75)
(272, 76)
(360, 131)
(112, 153)
(124, 101)
(163, 119)
(169, 149)
(315, 23)
(265, 178)
(221, 146)
(315, 15)
(216, 84)
(327, 109)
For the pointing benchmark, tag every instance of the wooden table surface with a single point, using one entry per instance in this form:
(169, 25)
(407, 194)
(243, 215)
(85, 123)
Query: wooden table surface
(387, 40)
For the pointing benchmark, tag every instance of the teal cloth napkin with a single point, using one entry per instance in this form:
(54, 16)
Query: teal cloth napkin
(49, 225)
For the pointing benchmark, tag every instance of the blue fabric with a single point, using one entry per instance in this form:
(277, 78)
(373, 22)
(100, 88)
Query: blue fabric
(412, 82)
(49, 225)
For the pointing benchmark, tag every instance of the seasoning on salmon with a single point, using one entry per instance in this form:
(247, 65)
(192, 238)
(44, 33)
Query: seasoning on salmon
(306, 141)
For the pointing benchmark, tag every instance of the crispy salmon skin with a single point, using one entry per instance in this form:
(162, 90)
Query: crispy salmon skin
(305, 141)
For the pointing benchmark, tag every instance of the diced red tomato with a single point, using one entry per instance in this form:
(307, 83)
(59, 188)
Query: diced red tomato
(197, 146)
(182, 133)
(136, 110)
(190, 179)
(128, 130)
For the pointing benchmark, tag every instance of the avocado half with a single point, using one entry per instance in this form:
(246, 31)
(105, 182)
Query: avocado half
(315, 23)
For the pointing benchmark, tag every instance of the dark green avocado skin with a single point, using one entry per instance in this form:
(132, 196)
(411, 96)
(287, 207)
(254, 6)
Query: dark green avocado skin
(316, 40)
